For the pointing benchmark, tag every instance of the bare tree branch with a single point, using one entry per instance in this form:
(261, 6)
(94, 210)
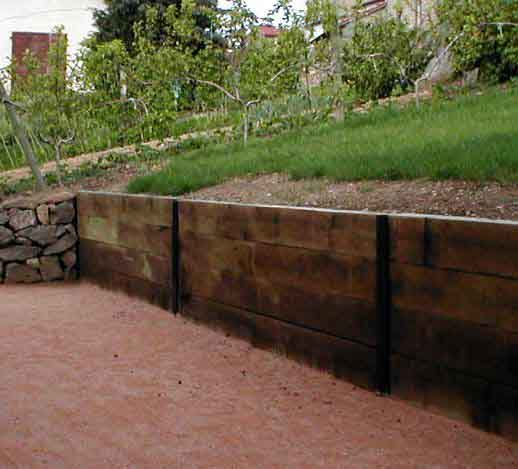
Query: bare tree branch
(219, 87)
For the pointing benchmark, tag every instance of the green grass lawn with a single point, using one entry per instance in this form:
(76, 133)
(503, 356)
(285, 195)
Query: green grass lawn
(469, 138)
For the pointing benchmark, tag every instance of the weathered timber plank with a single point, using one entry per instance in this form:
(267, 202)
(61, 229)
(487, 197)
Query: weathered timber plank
(338, 315)
(136, 209)
(441, 391)
(490, 248)
(151, 292)
(470, 348)
(486, 300)
(346, 233)
(315, 271)
(146, 238)
(130, 262)
(407, 239)
(218, 253)
(347, 360)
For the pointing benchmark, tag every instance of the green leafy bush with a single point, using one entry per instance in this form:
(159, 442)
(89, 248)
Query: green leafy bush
(383, 56)
(487, 35)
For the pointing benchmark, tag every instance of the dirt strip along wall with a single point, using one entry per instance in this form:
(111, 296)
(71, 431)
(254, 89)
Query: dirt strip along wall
(126, 244)
(306, 282)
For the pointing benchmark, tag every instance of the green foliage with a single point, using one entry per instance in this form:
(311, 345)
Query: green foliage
(102, 67)
(117, 21)
(491, 47)
(471, 138)
(384, 56)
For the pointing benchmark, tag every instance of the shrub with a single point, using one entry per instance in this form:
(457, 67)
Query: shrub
(483, 44)
(382, 56)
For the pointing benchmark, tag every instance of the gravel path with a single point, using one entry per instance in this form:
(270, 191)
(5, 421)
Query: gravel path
(93, 379)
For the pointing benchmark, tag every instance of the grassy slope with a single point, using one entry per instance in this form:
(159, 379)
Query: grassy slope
(471, 138)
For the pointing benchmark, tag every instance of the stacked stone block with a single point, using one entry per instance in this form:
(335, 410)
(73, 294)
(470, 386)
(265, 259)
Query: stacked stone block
(38, 239)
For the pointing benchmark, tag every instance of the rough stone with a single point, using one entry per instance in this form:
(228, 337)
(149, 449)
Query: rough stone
(35, 263)
(41, 234)
(21, 273)
(50, 269)
(63, 244)
(62, 229)
(20, 219)
(69, 259)
(56, 198)
(21, 203)
(43, 214)
(33, 202)
(18, 253)
(4, 218)
(443, 70)
(6, 236)
(23, 241)
(62, 214)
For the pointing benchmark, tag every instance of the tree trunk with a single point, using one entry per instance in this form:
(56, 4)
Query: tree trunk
(58, 163)
(336, 43)
(21, 133)
(245, 126)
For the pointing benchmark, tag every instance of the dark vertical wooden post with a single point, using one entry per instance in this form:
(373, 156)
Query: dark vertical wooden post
(384, 304)
(175, 259)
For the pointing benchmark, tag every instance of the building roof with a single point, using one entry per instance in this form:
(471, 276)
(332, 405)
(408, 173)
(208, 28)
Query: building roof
(269, 31)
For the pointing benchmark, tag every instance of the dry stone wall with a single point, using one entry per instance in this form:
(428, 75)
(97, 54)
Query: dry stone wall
(38, 239)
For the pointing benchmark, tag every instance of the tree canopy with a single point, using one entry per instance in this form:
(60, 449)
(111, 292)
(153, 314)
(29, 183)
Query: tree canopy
(117, 21)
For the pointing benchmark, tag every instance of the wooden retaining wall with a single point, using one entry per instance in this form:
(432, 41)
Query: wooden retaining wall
(126, 243)
(455, 318)
(301, 281)
(424, 308)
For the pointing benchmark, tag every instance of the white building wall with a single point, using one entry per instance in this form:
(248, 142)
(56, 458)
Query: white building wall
(42, 16)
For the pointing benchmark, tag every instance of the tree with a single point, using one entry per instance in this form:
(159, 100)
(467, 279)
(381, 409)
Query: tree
(254, 68)
(21, 133)
(384, 55)
(328, 53)
(117, 21)
(484, 35)
(49, 99)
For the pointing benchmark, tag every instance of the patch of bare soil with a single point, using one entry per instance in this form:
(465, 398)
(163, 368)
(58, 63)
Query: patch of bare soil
(454, 198)
(94, 379)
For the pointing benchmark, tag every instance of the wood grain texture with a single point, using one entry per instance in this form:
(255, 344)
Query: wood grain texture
(146, 238)
(488, 248)
(482, 299)
(96, 256)
(135, 209)
(407, 239)
(477, 350)
(151, 292)
(346, 360)
(337, 315)
(340, 232)
(441, 390)
(313, 271)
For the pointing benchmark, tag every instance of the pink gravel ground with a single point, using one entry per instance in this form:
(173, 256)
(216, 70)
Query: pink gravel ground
(93, 379)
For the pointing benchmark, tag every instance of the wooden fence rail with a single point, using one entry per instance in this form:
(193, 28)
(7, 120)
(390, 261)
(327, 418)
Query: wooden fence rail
(424, 308)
